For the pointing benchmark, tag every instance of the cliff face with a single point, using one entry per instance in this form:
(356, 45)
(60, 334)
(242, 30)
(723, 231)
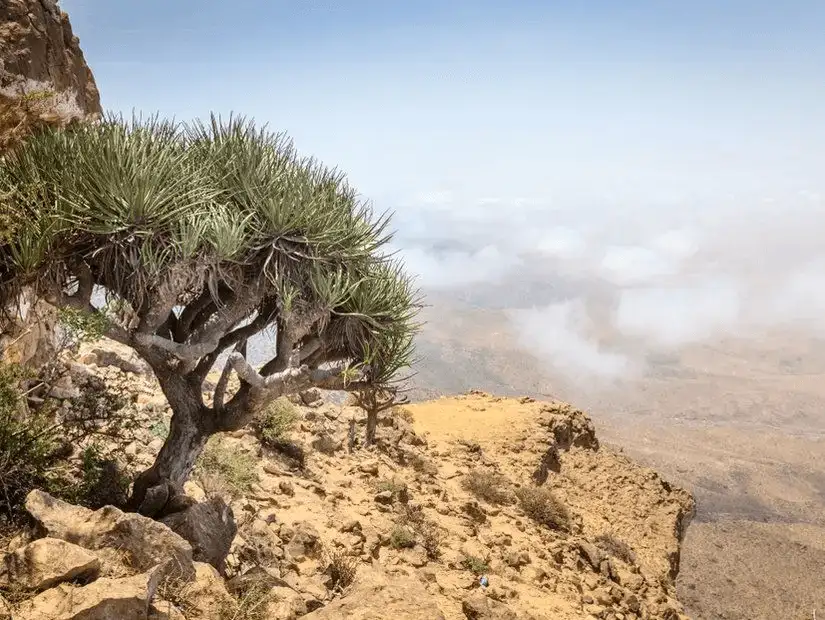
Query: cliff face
(38, 51)
(37, 43)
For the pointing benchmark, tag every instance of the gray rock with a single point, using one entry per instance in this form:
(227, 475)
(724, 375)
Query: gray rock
(384, 497)
(209, 527)
(592, 554)
(304, 542)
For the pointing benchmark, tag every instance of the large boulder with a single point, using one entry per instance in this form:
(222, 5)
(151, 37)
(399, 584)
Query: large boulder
(209, 527)
(103, 599)
(377, 596)
(146, 542)
(47, 562)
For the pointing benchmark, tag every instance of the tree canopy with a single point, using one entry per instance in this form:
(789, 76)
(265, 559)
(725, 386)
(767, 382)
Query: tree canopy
(202, 235)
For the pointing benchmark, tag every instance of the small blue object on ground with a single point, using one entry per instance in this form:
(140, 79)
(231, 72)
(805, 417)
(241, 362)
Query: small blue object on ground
(484, 582)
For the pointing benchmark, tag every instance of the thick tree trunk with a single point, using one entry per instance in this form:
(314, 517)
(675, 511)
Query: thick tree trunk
(190, 428)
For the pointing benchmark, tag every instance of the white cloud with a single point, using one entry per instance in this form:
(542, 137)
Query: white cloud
(798, 301)
(560, 334)
(674, 316)
(626, 265)
(561, 242)
(447, 269)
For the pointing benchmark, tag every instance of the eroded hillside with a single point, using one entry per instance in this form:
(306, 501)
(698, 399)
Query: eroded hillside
(512, 493)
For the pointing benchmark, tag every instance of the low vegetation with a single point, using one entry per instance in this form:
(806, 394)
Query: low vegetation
(616, 547)
(342, 568)
(431, 537)
(475, 564)
(402, 537)
(222, 470)
(398, 488)
(412, 523)
(543, 507)
(103, 480)
(29, 445)
(490, 486)
(251, 604)
(274, 424)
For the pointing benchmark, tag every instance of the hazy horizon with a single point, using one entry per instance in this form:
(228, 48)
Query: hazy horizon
(622, 180)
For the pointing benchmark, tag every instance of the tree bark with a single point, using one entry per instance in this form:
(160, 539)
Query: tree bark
(372, 422)
(190, 428)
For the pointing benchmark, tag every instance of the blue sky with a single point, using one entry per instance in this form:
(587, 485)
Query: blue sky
(670, 154)
(567, 99)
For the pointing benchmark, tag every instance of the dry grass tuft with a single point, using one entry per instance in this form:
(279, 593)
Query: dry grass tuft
(342, 568)
(542, 506)
(226, 472)
(490, 486)
(616, 547)
(476, 565)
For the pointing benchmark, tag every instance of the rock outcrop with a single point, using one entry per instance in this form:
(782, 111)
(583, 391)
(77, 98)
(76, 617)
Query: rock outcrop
(37, 43)
(38, 52)
(146, 542)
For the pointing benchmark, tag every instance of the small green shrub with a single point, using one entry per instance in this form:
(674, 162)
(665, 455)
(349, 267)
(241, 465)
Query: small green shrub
(616, 547)
(475, 565)
(160, 429)
(398, 489)
(426, 532)
(30, 445)
(275, 423)
(103, 482)
(490, 486)
(402, 537)
(223, 471)
(78, 326)
(542, 506)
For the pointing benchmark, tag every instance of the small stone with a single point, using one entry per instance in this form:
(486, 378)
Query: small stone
(370, 467)
(273, 470)
(384, 497)
(478, 606)
(304, 542)
(591, 553)
(517, 559)
(353, 525)
(286, 488)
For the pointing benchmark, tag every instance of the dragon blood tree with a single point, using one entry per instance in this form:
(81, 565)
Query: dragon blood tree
(203, 236)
